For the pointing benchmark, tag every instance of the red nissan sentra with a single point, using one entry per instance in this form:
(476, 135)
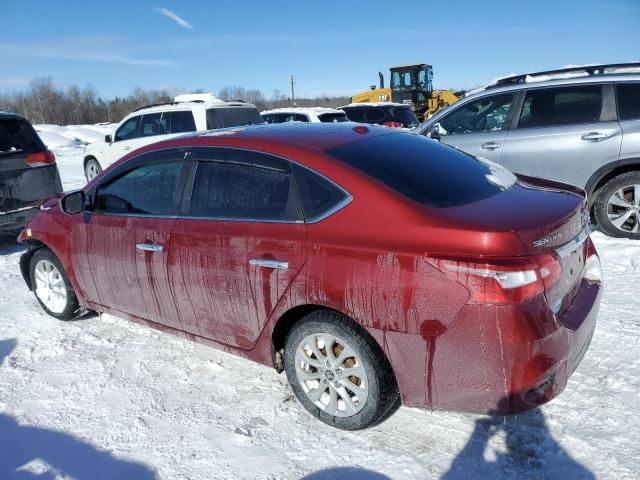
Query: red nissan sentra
(373, 266)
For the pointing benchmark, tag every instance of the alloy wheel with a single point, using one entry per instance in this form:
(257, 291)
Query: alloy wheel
(331, 375)
(623, 209)
(50, 286)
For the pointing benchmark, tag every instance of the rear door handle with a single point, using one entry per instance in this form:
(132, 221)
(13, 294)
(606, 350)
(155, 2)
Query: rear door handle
(490, 146)
(148, 247)
(596, 136)
(275, 264)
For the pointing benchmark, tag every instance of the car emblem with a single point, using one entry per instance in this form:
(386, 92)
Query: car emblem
(547, 239)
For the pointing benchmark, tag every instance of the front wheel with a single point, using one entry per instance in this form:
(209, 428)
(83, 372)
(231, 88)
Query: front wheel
(52, 287)
(617, 206)
(338, 372)
(92, 169)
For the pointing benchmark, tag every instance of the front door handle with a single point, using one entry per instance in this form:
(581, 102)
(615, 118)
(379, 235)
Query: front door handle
(275, 264)
(490, 146)
(148, 247)
(595, 136)
(127, 147)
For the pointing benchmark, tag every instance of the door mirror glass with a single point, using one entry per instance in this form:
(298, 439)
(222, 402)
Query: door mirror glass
(73, 202)
(108, 139)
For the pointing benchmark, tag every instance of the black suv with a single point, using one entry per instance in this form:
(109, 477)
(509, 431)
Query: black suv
(388, 114)
(28, 172)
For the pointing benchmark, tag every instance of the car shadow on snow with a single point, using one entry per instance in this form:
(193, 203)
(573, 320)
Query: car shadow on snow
(9, 244)
(345, 473)
(525, 449)
(28, 452)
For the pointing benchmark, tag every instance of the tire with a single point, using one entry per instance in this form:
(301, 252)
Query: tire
(618, 201)
(325, 389)
(92, 169)
(58, 299)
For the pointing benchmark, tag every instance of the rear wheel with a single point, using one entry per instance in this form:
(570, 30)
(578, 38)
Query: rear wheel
(52, 287)
(338, 372)
(617, 206)
(92, 169)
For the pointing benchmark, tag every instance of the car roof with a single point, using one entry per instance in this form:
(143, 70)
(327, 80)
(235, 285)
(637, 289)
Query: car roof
(313, 110)
(560, 79)
(374, 104)
(307, 136)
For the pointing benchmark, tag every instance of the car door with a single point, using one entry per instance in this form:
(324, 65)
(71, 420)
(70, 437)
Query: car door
(479, 126)
(238, 245)
(564, 133)
(123, 140)
(120, 248)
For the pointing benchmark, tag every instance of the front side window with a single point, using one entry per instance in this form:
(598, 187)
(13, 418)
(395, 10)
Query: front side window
(243, 191)
(628, 100)
(487, 114)
(179, 122)
(232, 117)
(424, 171)
(152, 125)
(128, 130)
(317, 194)
(145, 190)
(561, 106)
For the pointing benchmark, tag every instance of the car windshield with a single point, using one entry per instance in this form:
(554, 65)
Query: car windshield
(232, 117)
(424, 170)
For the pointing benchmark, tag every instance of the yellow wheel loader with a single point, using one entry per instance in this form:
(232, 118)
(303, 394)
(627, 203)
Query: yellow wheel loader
(411, 85)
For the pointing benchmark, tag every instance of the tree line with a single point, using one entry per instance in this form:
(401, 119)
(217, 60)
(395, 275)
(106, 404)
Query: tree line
(45, 102)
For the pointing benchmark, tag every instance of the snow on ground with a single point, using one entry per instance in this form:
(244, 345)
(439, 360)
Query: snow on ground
(107, 398)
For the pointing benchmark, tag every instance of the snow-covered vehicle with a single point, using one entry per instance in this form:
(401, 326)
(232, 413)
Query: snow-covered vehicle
(307, 115)
(153, 123)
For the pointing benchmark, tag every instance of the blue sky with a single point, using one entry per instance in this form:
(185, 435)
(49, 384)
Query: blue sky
(331, 47)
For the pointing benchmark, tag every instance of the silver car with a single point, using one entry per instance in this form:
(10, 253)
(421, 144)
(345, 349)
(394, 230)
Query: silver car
(577, 125)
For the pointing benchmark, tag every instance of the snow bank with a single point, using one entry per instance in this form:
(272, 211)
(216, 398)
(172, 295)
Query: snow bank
(199, 97)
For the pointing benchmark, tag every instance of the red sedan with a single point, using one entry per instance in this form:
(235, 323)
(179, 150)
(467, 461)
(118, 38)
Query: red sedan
(373, 266)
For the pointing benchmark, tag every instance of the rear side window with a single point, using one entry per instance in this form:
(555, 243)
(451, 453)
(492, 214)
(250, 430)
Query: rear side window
(420, 169)
(242, 191)
(333, 117)
(300, 118)
(232, 117)
(628, 100)
(317, 194)
(561, 106)
(487, 114)
(128, 130)
(179, 122)
(145, 190)
(355, 114)
(18, 136)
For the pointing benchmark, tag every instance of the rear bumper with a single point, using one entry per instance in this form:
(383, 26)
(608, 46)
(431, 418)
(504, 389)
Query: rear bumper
(496, 360)
(16, 219)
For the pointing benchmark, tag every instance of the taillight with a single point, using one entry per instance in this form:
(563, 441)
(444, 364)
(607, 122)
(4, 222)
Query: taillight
(392, 124)
(503, 281)
(40, 159)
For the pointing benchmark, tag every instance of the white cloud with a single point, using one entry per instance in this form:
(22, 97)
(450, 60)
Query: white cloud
(173, 16)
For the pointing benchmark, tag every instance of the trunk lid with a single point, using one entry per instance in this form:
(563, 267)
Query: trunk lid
(549, 218)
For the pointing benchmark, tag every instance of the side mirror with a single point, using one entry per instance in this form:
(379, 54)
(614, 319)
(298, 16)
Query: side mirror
(73, 202)
(108, 139)
(435, 131)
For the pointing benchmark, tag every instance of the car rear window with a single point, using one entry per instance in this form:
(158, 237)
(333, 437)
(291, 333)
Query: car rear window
(405, 116)
(628, 101)
(421, 169)
(232, 117)
(333, 117)
(355, 114)
(18, 136)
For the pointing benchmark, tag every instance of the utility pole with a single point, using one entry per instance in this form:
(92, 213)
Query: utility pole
(293, 95)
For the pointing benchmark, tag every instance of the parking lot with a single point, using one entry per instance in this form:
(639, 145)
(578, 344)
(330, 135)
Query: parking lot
(104, 396)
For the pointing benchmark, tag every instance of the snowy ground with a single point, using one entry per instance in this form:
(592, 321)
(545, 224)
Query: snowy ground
(106, 398)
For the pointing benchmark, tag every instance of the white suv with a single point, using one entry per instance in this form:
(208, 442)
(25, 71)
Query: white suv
(299, 114)
(150, 124)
